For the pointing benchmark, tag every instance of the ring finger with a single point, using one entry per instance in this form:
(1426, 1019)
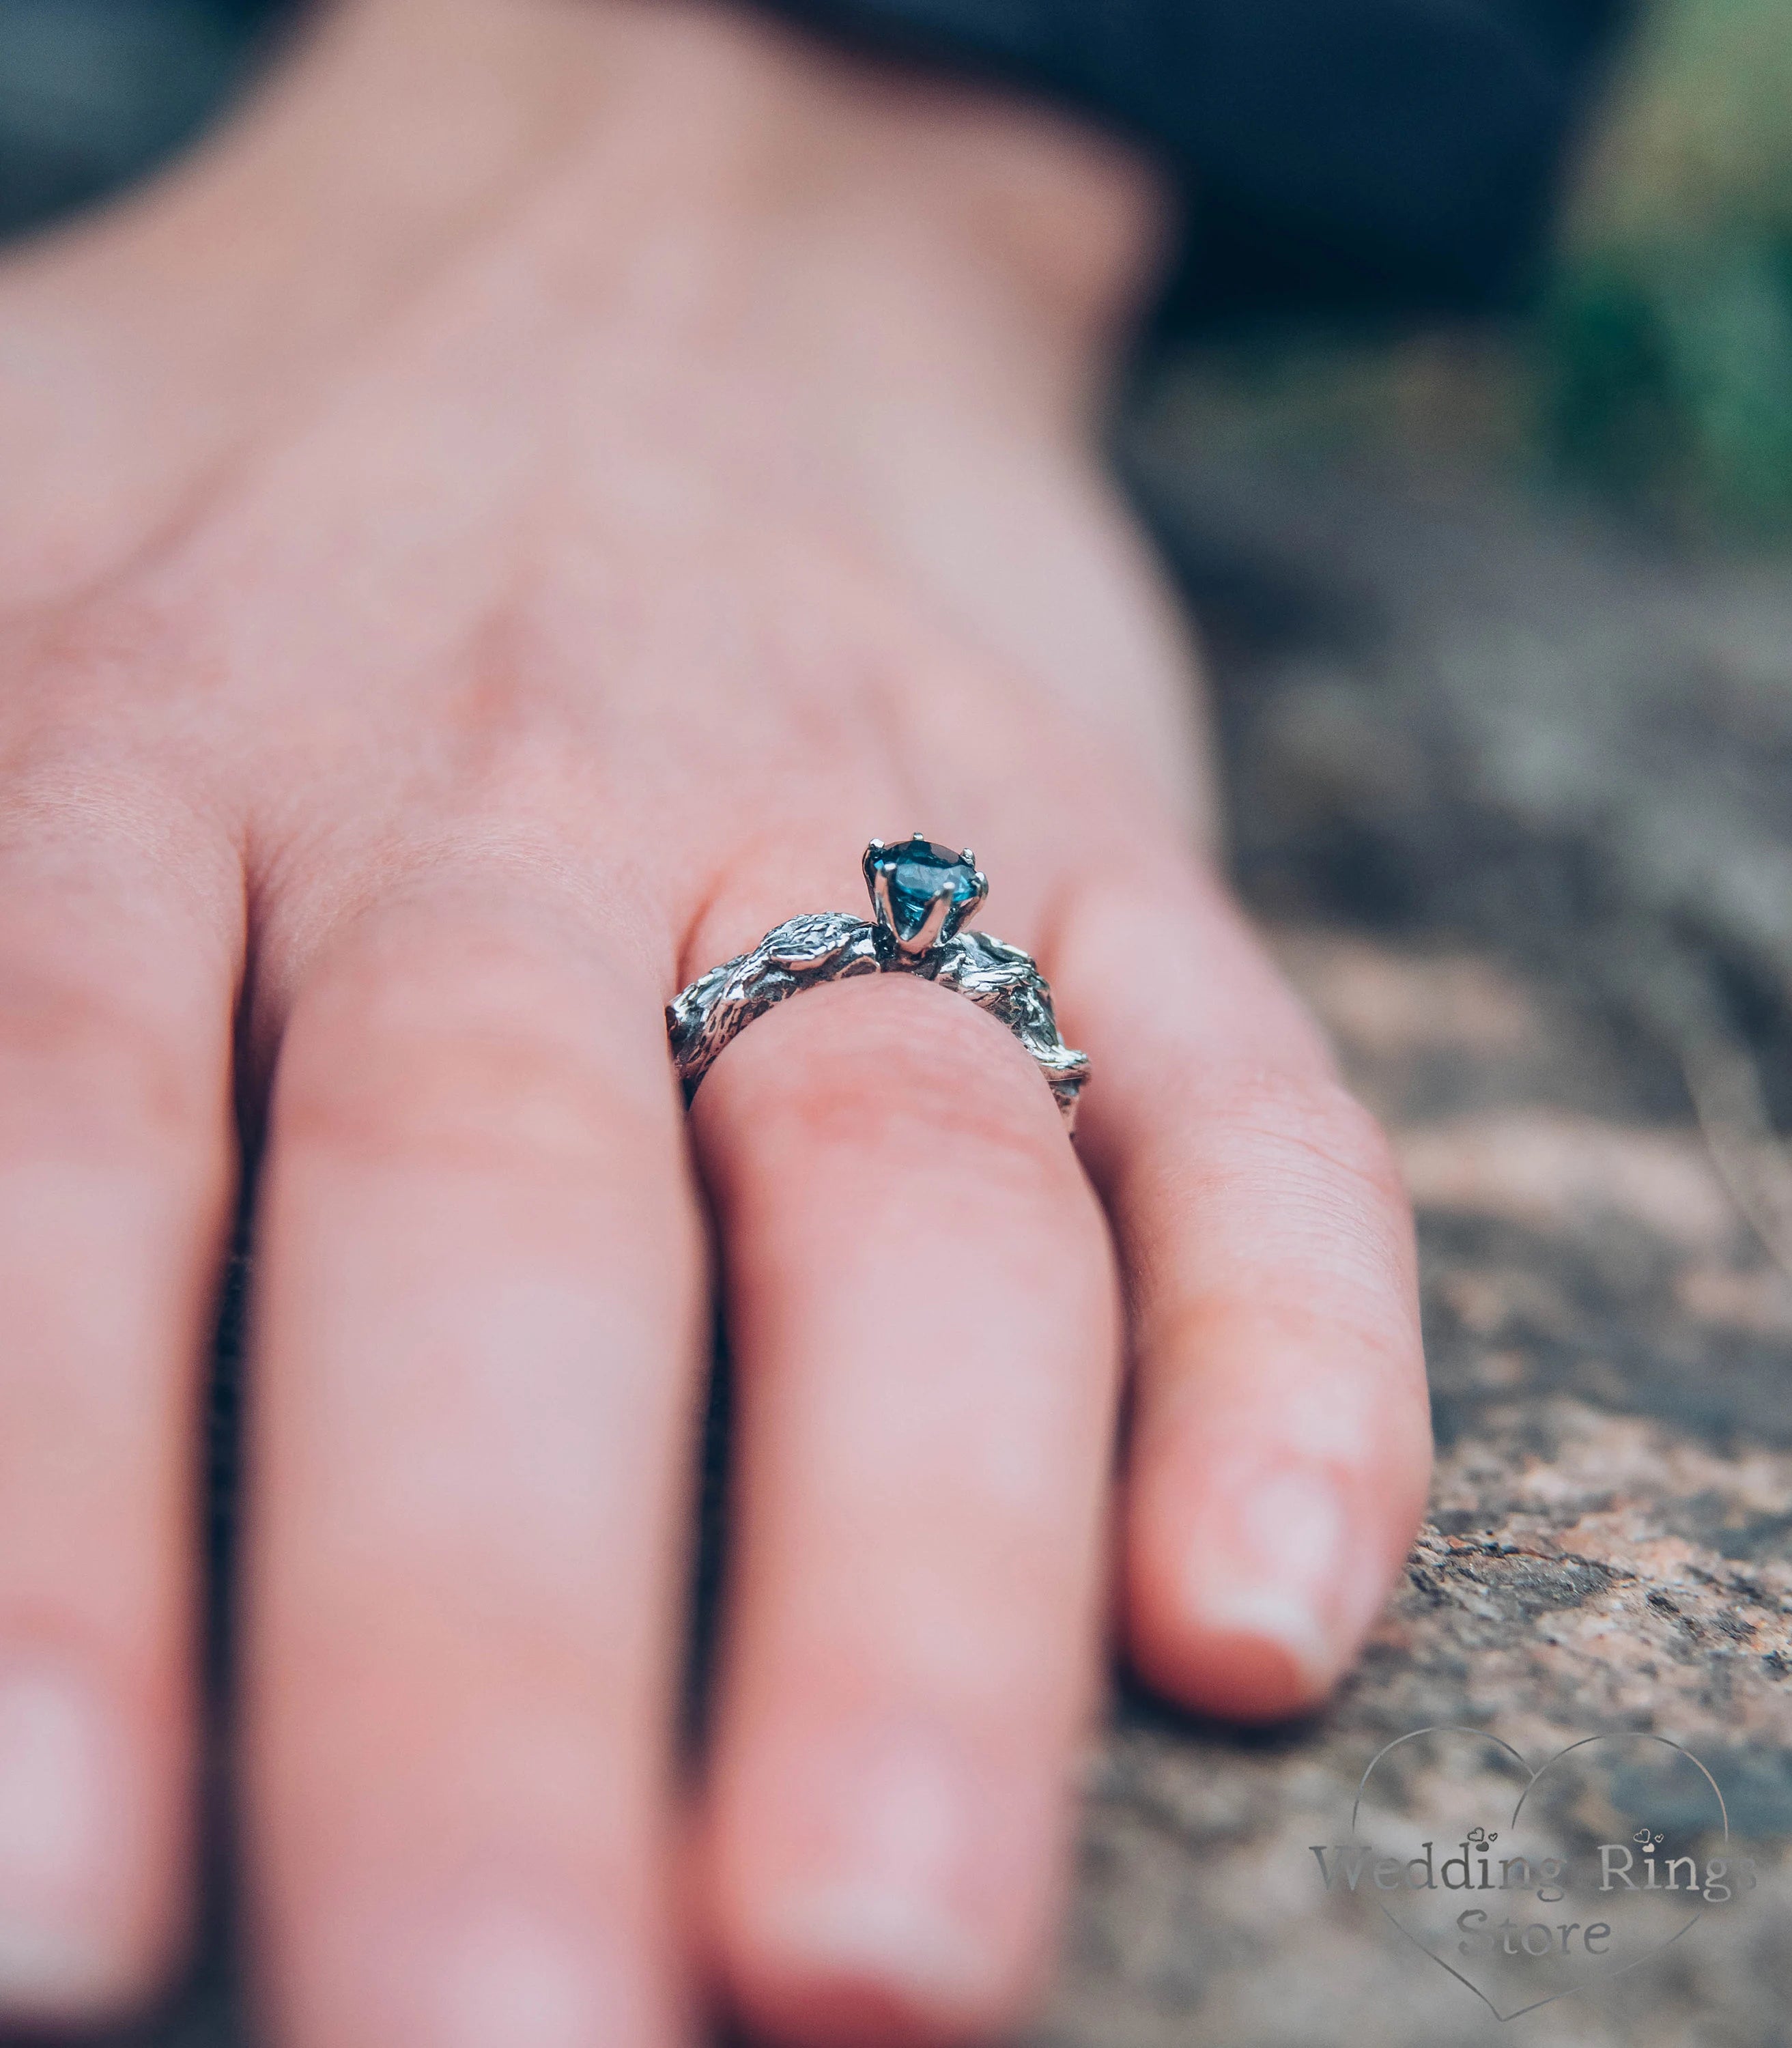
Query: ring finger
(925, 1329)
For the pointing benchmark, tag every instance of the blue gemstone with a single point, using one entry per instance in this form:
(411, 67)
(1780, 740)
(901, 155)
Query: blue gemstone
(919, 874)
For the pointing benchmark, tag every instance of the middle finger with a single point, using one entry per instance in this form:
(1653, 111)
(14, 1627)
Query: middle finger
(476, 1352)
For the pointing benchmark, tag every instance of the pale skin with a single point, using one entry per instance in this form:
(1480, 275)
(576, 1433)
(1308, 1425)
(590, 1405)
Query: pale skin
(495, 533)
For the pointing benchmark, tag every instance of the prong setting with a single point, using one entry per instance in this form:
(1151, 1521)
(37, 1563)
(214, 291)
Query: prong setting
(922, 893)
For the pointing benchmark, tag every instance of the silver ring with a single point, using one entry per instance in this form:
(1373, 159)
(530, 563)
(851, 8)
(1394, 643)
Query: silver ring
(922, 895)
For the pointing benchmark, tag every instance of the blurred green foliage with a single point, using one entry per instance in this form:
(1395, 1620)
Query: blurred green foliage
(1661, 357)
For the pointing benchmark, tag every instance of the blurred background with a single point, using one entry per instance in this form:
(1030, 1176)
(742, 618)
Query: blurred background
(1498, 620)
(1657, 369)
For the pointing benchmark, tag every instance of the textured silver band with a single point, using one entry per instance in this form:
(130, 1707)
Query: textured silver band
(832, 945)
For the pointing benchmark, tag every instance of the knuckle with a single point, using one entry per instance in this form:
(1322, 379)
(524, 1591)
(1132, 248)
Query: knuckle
(1283, 1207)
(434, 1065)
(93, 666)
(85, 1059)
(1307, 1128)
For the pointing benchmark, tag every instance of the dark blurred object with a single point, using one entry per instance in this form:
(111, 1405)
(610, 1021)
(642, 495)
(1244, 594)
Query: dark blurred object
(1394, 155)
(1339, 154)
(93, 92)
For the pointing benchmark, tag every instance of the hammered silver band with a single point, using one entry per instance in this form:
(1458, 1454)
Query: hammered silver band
(920, 897)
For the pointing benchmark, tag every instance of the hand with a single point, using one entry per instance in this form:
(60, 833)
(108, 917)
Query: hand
(480, 545)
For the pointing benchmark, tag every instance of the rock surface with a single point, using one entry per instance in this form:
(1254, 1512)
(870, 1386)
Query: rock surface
(1606, 1550)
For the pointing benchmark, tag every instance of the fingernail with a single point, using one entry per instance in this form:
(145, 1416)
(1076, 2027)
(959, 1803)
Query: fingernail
(505, 1976)
(469, 1971)
(1277, 1562)
(57, 1758)
(888, 1935)
(882, 1903)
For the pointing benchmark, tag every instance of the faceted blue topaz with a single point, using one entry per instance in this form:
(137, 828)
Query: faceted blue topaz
(920, 872)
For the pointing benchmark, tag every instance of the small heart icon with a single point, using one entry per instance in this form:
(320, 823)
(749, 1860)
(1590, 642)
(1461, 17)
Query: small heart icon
(1526, 1882)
